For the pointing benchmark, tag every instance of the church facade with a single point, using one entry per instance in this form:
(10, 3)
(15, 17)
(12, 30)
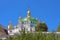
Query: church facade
(27, 24)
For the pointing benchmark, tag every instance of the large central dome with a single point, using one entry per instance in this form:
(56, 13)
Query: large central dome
(31, 19)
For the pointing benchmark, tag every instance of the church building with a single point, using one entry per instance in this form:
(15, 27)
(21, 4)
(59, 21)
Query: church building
(28, 24)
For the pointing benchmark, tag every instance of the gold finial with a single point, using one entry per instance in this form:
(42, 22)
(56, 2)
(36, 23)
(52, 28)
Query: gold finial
(28, 13)
(10, 25)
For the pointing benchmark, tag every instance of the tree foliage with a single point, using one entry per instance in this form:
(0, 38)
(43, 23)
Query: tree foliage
(41, 27)
(36, 36)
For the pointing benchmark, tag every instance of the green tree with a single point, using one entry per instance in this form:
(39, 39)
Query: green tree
(36, 36)
(41, 27)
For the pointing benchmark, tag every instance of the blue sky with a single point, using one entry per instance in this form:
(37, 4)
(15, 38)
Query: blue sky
(46, 10)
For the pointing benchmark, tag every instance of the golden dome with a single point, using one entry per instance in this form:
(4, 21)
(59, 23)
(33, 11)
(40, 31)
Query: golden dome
(28, 14)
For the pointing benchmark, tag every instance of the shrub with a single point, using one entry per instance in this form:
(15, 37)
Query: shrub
(36, 36)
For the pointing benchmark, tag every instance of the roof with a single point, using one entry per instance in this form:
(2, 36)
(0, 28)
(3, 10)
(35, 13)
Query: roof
(31, 19)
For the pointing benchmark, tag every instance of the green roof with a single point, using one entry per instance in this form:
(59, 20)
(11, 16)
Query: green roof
(31, 19)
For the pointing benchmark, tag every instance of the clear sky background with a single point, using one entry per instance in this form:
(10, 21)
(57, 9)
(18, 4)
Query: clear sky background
(47, 11)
